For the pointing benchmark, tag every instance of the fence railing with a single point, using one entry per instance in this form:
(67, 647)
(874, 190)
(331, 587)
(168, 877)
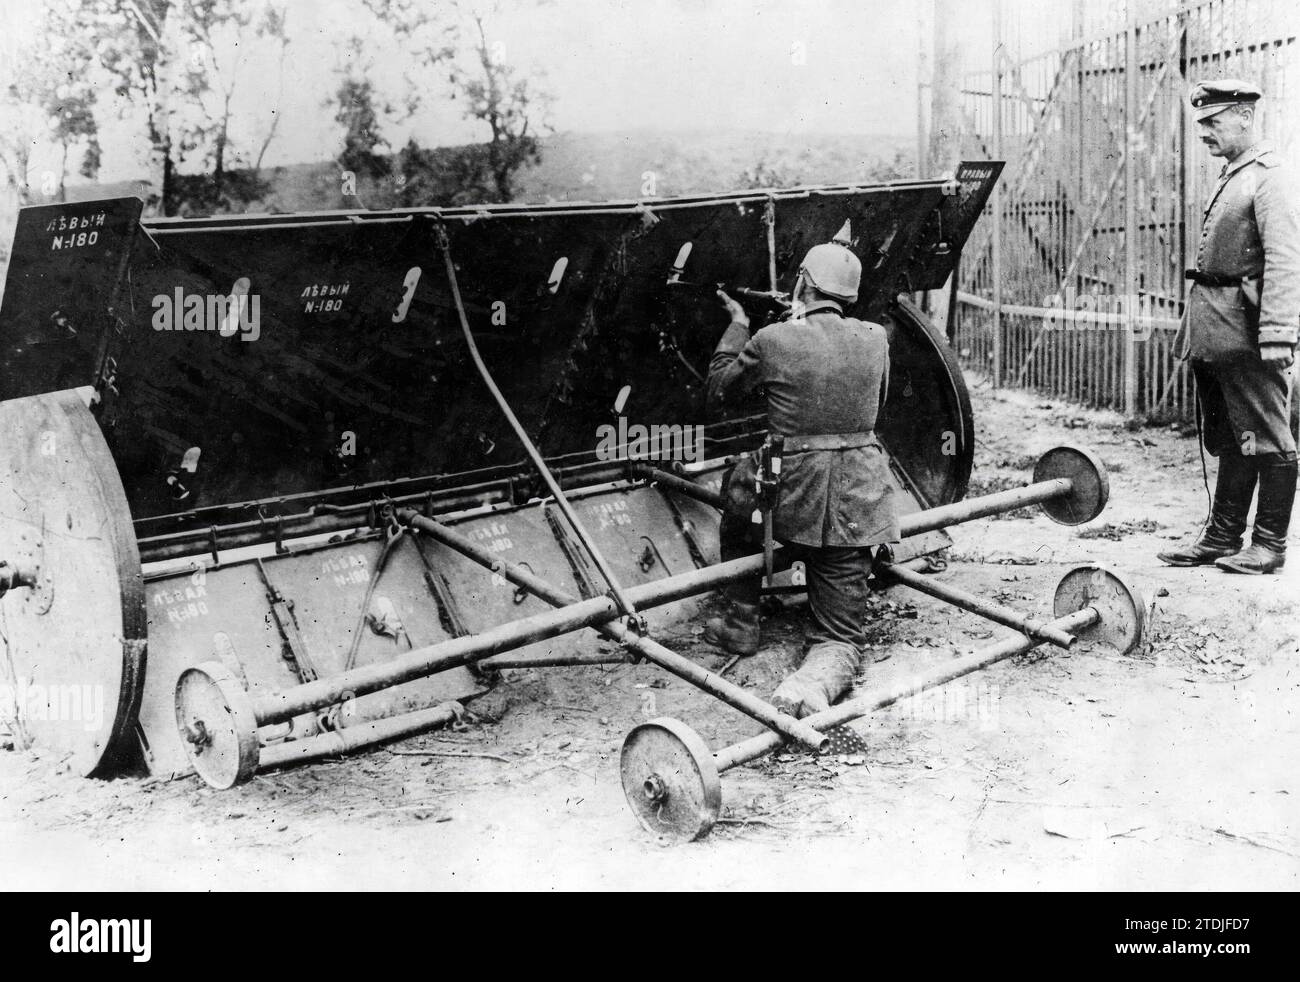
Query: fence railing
(1076, 289)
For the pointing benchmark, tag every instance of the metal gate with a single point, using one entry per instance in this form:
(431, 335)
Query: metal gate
(1076, 290)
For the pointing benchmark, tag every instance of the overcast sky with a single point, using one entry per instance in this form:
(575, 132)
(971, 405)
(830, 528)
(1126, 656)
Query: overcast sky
(785, 66)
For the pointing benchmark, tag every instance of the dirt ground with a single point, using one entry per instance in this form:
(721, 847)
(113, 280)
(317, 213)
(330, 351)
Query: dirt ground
(1171, 768)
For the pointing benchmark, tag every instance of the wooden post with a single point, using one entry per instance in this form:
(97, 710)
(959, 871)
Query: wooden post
(1188, 216)
(996, 264)
(1132, 143)
(922, 80)
(945, 89)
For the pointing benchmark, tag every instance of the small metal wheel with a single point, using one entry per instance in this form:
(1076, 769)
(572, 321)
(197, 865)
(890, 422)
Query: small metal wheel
(218, 727)
(1122, 609)
(671, 780)
(1088, 475)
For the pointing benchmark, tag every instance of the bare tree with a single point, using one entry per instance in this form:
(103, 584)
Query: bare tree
(217, 35)
(49, 101)
(357, 110)
(502, 100)
(180, 61)
(510, 107)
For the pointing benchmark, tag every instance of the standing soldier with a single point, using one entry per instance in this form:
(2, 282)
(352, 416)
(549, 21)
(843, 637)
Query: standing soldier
(1239, 328)
(824, 376)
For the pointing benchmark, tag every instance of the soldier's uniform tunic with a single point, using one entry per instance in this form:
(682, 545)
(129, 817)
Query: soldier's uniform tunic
(825, 379)
(1250, 229)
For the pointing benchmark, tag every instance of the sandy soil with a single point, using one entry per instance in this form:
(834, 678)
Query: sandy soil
(1171, 768)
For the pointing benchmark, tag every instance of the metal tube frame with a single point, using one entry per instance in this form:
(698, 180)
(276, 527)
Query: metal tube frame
(278, 707)
(764, 743)
(336, 743)
(718, 687)
(974, 604)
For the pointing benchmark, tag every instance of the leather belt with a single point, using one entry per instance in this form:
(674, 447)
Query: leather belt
(830, 441)
(1214, 279)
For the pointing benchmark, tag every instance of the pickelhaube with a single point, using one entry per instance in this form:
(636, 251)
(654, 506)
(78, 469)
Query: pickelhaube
(833, 268)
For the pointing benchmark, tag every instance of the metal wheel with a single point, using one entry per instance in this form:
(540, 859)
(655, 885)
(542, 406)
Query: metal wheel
(217, 725)
(1122, 608)
(927, 424)
(72, 609)
(1088, 475)
(670, 780)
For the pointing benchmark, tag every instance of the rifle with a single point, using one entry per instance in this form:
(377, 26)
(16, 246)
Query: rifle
(769, 303)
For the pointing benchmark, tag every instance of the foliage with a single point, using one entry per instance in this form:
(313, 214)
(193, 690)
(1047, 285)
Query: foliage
(50, 99)
(360, 121)
(789, 169)
(454, 38)
(179, 63)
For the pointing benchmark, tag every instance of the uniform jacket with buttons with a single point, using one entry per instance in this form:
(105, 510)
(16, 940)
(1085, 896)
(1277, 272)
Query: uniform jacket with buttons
(1251, 227)
(826, 376)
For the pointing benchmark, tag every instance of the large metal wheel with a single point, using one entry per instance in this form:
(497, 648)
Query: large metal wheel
(1121, 606)
(73, 620)
(927, 424)
(670, 780)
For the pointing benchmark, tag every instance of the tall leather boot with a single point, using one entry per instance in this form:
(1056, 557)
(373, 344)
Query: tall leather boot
(736, 631)
(825, 675)
(1233, 490)
(1267, 552)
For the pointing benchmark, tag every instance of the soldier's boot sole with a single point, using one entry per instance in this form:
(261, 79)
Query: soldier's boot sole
(1254, 561)
(735, 632)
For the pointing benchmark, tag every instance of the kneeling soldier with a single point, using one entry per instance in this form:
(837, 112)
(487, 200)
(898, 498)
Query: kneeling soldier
(825, 377)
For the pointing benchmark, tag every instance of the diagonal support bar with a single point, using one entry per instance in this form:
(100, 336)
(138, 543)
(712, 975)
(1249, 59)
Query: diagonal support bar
(765, 743)
(730, 693)
(619, 594)
(975, 604)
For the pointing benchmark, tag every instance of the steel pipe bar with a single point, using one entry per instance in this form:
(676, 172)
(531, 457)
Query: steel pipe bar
(717, 686)
(765, 743)
(462, 544)
(558, 661)
(963, 599)
(335, 743)
(970, 509)
(277, 707)
(923, 521)
(680, 484)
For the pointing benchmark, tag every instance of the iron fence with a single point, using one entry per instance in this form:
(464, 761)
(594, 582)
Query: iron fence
(1076, 290)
